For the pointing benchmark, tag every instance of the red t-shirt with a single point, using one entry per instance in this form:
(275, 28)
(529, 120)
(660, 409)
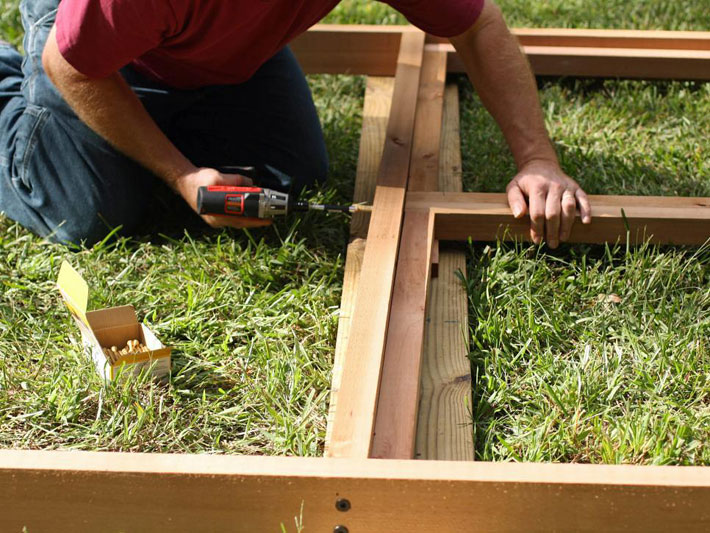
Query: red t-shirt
(194, 43)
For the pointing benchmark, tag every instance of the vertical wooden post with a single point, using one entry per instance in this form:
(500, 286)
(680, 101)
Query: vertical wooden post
(376, 111)
(354, 419)
(396, 425)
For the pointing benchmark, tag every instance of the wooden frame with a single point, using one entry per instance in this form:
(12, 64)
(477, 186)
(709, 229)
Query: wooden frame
(377, 380)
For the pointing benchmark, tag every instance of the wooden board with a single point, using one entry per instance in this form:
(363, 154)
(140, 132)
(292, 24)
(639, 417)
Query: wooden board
(444, 429)
(396, 422)
(349, 49)
(351, 278)
(450, 171)
(376, 112)
(372, 50)
(354, 420)
(603, 38)
(87, 492)
(634, 63)
(376, 108)
(486, 216)
(424, 171)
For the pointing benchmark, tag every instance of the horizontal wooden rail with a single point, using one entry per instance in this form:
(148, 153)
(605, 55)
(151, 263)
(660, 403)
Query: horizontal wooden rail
(486, 216)
(90, 491)
(601, 38)
(606, 62)
(372, 50)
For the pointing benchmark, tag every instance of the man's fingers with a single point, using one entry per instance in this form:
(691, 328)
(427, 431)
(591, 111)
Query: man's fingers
(237, 180)
(552, 216)
(220, 221)
(241, 223)
(569, 206)
(585, 208)
(537, 215)
(516, 200)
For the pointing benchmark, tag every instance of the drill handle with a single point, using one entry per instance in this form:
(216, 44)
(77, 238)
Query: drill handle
(229, 201)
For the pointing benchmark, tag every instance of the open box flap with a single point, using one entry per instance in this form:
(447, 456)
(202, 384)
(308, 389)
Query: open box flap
(74, 290)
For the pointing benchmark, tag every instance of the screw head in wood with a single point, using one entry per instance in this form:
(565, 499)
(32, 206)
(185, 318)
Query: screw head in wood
(340, 529)
(342, 505)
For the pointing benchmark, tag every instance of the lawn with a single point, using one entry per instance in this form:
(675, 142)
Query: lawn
(253, 315)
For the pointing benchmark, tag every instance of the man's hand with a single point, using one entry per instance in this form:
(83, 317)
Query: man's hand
(188, 184)
(553, 197)
(507, 88)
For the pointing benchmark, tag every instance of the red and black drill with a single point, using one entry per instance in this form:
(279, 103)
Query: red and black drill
(256, 201)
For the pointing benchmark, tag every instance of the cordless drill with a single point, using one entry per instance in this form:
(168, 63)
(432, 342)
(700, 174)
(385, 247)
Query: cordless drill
(259, 202)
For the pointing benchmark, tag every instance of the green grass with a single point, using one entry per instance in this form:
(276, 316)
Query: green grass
(594, 355)
(10, 25)
(253, 316)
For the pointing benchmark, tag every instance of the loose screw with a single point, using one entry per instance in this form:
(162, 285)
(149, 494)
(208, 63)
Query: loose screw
(342, 505)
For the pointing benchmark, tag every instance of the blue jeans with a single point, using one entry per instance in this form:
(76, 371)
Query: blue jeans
(64, 182)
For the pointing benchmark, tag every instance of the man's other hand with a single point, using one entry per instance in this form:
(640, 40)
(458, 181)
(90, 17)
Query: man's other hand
(188, 184)
(551, 197)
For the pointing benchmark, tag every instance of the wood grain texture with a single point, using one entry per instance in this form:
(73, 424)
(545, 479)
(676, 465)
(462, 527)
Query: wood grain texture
(594, 38)
(351, 277)
(486, 216)
(376, 109)
(372, 50)
(86, 492)
(633, 63)
(450, 171)
(376, 112)
(444, 430)
(396, 421)
(600, 38)
(349, 49)
(424, 171)
(354, 420)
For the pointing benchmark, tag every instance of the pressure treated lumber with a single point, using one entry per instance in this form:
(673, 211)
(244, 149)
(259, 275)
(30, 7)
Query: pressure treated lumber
(86, 492)
(444, 429)
(376, 109)
(396, 421)
(376, 112)
(486, 216)
(372, 50)
(354, 419)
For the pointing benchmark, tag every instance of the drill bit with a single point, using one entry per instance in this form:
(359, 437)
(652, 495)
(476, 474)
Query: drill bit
(355, 208)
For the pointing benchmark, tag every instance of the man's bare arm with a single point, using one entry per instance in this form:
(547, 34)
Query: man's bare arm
(503, 80)
(111, 108)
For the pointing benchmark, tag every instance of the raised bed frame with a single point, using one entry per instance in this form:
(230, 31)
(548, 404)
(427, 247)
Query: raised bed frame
(368, 481)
